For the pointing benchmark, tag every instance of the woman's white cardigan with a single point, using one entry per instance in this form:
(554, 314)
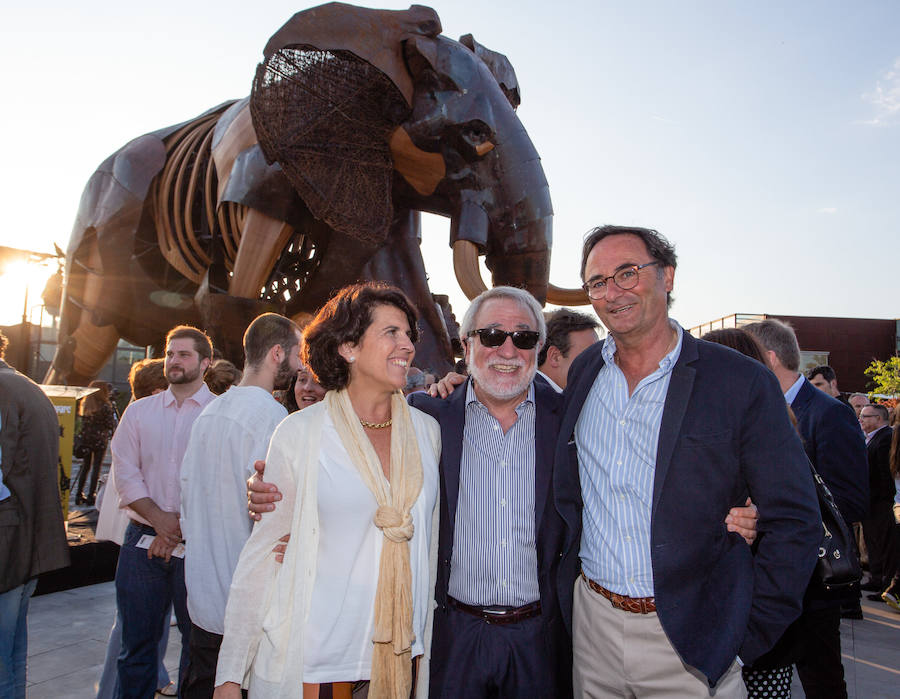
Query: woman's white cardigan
(269, 602)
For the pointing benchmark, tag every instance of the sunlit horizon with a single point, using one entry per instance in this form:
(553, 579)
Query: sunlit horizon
(14, 280)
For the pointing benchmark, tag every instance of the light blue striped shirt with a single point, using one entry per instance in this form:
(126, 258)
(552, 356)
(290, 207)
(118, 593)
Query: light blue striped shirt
(792, 392)
(494, 560)
(617, 437)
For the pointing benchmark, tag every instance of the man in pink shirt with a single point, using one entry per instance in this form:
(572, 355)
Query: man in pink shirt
(147, 450)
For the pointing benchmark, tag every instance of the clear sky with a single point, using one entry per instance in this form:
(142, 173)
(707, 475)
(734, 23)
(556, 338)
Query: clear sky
(763, 138)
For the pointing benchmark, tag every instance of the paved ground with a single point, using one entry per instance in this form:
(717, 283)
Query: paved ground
(67, 634)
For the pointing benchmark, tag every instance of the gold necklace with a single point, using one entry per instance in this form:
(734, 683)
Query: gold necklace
(376, 425)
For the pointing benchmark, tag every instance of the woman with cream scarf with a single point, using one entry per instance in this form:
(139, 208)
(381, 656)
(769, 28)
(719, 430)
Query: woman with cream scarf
(359, 476)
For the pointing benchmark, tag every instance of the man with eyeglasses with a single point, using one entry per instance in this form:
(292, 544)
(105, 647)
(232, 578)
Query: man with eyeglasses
(670, 433)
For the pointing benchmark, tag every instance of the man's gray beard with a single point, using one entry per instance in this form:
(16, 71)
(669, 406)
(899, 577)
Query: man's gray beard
(283, 375)
(485, 386)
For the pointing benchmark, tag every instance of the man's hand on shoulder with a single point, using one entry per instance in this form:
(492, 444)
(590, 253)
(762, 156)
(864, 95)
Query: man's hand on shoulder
(446, 386)
(261, 496)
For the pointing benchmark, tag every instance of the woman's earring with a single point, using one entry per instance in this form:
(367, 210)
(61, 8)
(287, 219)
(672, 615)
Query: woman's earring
(352, 359)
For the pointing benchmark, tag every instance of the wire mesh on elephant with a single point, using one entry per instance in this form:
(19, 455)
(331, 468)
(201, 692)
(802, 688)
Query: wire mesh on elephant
(326, 117)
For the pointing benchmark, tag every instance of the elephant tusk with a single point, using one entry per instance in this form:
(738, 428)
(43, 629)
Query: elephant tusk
(465, 265)
(566, 297)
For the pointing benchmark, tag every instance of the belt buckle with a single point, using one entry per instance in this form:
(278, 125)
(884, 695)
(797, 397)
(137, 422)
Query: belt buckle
(494, 611)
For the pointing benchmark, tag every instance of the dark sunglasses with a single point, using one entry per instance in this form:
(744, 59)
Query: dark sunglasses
(494, 337)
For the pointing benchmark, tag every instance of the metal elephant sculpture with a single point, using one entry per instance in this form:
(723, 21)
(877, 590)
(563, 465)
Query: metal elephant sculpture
(358, 119)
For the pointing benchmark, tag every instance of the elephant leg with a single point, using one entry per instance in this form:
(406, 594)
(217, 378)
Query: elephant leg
(262, 240)
(84, 350)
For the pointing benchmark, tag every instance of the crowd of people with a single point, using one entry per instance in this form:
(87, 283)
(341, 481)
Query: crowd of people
(634, 516)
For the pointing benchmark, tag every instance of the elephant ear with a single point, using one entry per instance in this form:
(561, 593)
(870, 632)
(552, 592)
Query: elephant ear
(499, 66)
(331, 89)
(326, 118)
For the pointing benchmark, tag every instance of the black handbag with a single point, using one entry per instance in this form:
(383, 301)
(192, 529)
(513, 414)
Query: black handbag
(837, 568)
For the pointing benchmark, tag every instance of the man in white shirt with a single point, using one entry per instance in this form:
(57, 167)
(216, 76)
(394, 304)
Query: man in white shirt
(231, 433)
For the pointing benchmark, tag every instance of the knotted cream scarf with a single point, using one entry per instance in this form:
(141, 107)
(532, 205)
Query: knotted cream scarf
(393, 636)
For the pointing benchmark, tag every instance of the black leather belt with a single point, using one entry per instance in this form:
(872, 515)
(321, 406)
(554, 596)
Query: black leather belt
(498, 614)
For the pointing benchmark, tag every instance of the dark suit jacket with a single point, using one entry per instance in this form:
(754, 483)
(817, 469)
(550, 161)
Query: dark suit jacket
(450, 413)
(724, 434)
(836, 447)
(32, 536)
(881, 482)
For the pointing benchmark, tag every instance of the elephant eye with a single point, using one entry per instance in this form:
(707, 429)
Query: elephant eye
(476, 132)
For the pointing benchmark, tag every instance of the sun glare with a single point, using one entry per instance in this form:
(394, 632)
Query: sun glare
(16, 277)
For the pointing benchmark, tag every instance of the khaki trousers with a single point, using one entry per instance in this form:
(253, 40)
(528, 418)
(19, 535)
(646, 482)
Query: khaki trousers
(621, 654)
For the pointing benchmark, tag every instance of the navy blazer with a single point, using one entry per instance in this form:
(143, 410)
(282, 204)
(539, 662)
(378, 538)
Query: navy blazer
(836, 447)
(725, 434)
(451, 414)
(881, 482)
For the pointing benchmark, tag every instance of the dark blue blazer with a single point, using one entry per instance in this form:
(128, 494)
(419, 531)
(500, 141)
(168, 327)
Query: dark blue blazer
(450, 413)
(881, 483)
(725, 434)
(836, 447)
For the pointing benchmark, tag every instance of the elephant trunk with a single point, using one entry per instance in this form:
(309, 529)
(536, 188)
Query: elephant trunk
(525, 262)
(510, 223)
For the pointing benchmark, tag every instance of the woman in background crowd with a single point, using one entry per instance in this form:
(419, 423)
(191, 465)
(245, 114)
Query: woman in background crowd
(358, 473)
(98, 420)
(221, 376)
(303, 392)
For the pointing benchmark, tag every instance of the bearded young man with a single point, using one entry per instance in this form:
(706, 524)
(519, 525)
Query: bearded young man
(147, 450)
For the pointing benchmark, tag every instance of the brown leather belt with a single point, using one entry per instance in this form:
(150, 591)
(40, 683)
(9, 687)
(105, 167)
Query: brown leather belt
(498, 614)
(635, 605)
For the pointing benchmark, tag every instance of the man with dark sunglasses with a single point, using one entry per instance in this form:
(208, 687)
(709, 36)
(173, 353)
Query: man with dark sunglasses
(497, 626)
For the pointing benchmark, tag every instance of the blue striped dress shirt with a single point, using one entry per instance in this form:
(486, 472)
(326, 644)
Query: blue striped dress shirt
(617, 437)
(494, 560)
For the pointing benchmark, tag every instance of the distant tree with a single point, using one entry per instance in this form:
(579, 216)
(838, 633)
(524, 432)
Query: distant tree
(885, 376)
